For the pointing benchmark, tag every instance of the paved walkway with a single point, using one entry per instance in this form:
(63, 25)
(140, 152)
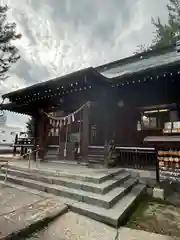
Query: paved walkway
(72, 226)
(20, 209)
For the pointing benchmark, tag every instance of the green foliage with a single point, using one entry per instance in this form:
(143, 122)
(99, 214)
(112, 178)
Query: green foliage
(8, 52)
(30, 127)
(165, 34)
(168, 33)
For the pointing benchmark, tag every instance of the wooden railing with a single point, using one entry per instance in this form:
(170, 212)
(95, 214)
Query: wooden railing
(130, 157)
(4, 163)
(29, 154)
(136, 157)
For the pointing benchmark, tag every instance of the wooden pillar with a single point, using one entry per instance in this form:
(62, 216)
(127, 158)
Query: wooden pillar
(35, 135)
(107, 114)
(41, 134)
(106, 136)
(85, 134)
(15, 142)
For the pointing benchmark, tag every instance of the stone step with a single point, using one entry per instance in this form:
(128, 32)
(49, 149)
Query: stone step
(101, 188)
(98, 161)
(114, 216)
(96, 155)
(99, 177)
(99, 158)
(105, 201)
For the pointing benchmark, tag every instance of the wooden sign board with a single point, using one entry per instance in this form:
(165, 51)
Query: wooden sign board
(169, 165)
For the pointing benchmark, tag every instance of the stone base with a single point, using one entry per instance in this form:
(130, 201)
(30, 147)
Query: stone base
(158, 193)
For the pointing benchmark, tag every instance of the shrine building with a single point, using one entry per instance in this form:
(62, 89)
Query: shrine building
(124, 101)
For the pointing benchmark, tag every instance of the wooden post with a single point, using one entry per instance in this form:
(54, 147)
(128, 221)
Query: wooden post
(35, 135)
(105, 122)
(85, 133)
(106, 139)
(22, 149)
(42, 130)
(157, 167)
(15, 142)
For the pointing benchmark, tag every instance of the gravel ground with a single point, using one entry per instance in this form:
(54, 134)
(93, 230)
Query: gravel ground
(157, 217)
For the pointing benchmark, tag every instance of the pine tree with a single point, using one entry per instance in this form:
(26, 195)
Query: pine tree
(165, 34)
(8, 52)
(30, 127)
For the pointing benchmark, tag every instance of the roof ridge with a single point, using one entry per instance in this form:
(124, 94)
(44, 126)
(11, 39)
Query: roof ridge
(135, 57)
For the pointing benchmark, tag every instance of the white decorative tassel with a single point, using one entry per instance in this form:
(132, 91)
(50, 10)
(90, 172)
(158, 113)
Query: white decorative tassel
(69, 119)
(52, 131)
(60, 124)
(54, 125)
(52, 122)
(57, 131)
(73, 118)
(65, 152)
(64, 122)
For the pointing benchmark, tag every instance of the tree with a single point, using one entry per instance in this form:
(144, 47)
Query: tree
(165, 34)
(8, 52)
(169, 33)
(30, 127)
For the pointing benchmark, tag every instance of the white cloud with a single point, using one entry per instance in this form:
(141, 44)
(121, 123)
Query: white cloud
(62, 36)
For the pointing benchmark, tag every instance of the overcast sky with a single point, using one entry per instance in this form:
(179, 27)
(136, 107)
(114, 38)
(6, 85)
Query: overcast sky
(60, 36)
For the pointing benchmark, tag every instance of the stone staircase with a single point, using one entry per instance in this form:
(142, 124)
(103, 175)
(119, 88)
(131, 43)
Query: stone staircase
(51, 154)
(106, 196)
(96, 155)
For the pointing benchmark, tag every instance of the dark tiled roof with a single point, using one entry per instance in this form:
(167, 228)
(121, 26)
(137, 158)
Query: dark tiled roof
(105, 74)
(140, 63)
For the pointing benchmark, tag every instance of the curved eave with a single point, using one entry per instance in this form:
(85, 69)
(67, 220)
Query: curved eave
(93, 76)
(51, 82)
(101, 78)
(12, 107)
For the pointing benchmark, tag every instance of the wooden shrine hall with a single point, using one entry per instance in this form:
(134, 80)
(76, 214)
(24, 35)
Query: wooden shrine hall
(123, 101)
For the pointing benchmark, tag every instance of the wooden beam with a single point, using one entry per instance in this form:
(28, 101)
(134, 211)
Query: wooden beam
(85, 134)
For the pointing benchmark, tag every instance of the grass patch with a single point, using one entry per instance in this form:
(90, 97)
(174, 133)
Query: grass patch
(155, 215)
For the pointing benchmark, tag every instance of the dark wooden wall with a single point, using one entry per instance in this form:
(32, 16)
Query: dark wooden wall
(120, 122)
